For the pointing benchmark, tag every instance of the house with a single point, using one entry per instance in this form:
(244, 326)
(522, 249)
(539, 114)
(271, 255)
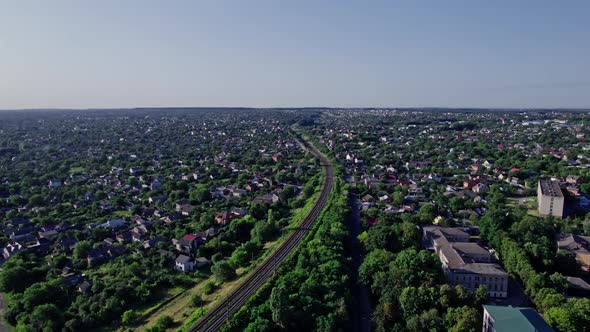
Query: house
(96, 256)
(577, 245)
(84, 287)
(135, 170)
(508, 319)
(54, 183)
(11, 249)
(573, 179)
(186, 210)
(171, 218)
(277, 157)
(266, 199)
(238, 193)
(123, 237)
(201, 262)
(138, 233)
(577, 287)
(157, 198)
(184, 263)
(480, 188)
(115, 223)
(239, 212)
(188, 243)
(151, 243)
(184, 207)
(50, 235)
(156, 185)
(71, 278)
(550, 199)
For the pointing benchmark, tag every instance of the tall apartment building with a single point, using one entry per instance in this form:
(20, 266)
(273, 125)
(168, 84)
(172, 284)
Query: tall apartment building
(465, 263)
(550, 198)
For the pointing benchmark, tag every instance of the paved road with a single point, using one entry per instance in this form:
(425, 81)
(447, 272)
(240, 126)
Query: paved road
(361, 304)
(219, 315)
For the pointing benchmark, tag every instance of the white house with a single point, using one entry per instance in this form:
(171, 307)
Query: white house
(185, 263)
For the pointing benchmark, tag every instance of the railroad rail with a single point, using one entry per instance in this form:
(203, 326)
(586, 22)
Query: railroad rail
(219, 315)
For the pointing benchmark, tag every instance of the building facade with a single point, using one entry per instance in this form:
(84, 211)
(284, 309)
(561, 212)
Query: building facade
(466, 263)
(550, 199)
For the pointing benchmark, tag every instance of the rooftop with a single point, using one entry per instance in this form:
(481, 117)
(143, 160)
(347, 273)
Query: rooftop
(579, 283)
(572, 242)
(517, 319)
(550, 188)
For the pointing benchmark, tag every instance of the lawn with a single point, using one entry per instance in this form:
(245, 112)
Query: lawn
(77, 170)
(529, 202)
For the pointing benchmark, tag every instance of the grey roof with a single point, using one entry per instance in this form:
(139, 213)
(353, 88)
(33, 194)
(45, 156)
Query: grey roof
(182, 259)
(469, 249)
(462, 257)
(483, 268)
(579, 283)
(571, 242)
(202, 260)
(550, 188)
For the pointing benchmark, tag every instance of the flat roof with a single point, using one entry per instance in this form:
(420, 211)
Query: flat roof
(550, 188)
(517, 319)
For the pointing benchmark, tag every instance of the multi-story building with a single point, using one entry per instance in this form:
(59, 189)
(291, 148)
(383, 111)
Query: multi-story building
(513, 319)
(465, 263)
(550, 199)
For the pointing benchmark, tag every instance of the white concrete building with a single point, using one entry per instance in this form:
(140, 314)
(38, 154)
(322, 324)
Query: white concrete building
(550, 199)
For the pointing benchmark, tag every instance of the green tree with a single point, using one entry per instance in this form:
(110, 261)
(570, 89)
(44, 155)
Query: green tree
(223, 271)
(128, 317)
(462, 319)
(262, 232)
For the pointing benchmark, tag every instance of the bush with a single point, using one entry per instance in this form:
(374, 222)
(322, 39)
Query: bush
(196, 301)
(209, 287)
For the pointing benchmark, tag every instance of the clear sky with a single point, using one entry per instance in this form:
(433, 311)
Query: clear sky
(122, 53)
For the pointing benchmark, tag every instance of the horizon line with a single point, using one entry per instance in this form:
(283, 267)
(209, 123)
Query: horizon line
(297, 108)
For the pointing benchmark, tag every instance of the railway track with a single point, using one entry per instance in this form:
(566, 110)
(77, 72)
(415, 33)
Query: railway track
(219, 315)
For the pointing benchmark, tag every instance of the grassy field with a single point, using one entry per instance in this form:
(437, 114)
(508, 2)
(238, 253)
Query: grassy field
(122, 213)
(529, 202)
(77, 170)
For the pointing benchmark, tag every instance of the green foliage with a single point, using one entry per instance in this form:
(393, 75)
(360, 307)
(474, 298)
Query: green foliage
(262, 232)
(463, 319)
(311, 291)
(200, 194)
(128, 317)
(196, 301)
(165, 322)
(571, 316)
(223, 271)
(209, 287)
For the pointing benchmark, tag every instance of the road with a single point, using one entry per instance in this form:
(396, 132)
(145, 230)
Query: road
(219, 315)
(361, 304)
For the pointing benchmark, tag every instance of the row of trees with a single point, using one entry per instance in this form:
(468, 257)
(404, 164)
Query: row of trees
(527, 249)
(311, 291)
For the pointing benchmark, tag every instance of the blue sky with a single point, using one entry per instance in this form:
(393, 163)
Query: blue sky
(86, 54)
